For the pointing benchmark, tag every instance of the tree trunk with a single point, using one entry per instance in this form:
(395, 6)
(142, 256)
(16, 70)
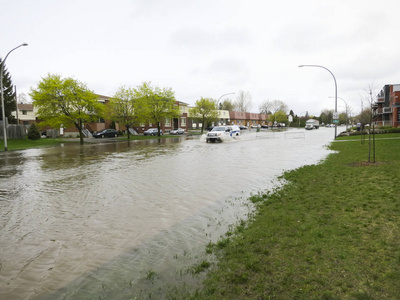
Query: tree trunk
(127, 128)
(79, 126)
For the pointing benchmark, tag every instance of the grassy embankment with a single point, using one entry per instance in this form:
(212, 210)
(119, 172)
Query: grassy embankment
(332, 232)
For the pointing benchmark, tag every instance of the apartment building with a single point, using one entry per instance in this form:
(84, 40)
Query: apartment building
(386, 109)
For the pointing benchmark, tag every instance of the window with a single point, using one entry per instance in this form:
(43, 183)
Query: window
(183, 122)
(168, 122)
(24, 112)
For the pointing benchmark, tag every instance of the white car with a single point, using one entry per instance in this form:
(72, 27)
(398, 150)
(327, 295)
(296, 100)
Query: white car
(219, 133)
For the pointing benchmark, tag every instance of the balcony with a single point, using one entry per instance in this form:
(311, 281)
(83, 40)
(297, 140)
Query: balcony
(380, 99)
(387, 110)
(380, 123)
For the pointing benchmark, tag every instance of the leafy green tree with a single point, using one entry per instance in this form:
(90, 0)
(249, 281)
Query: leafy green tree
(122, 108)
(33, 132)
(204, 110)
(279, 117)
(9, 96)
(155, 104)
(227, 105)
(65, 102)
(326, 116)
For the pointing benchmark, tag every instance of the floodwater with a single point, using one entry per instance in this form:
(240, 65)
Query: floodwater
(121, 220)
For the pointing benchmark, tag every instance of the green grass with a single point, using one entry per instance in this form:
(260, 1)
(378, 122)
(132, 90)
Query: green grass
(21, 144)
(366, 136)
(332, 232)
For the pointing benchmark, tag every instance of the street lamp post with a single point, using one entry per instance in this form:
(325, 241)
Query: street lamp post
(223, 96)
(2, 95)
(218, 103)
(335, 88)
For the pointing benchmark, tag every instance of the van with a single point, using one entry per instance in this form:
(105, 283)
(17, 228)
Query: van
(219, 133)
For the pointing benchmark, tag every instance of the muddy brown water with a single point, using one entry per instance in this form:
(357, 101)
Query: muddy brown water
(118, 220)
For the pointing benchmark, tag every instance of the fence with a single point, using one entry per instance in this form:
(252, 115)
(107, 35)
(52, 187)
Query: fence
(14, 131)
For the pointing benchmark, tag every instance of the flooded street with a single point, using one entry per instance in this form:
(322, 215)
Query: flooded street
(124, 219)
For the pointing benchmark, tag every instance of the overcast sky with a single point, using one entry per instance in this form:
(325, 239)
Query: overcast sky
(204, 48)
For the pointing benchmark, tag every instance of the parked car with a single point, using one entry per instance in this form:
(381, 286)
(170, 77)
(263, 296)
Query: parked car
(152, 131)
(242, 127)
(177, 131)
(264, 126)
(222, 132)
(106, 133)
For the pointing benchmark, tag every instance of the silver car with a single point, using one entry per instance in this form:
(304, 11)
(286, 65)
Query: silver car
(177, 131)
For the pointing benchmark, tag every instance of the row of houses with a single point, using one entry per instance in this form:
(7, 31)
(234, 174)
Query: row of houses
(386, 108)
(26, 115)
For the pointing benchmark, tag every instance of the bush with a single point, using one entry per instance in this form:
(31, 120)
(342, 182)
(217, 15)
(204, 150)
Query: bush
(33, 132)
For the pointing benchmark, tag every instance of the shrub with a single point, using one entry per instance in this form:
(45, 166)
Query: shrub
(33, 132)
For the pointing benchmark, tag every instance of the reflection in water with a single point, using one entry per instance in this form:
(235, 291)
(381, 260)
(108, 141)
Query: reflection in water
(95, 220)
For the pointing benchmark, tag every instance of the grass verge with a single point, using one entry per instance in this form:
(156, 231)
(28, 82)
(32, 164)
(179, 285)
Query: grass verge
(21, 144)
(331, 232)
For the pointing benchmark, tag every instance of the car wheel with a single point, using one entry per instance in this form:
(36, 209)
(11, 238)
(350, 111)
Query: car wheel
(152, 134)
(102, 136)
(115, 135)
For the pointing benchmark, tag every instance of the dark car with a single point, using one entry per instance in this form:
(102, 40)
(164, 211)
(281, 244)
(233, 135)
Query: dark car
(106, 133)
(152, 131)
(177, 131)
(242, 127)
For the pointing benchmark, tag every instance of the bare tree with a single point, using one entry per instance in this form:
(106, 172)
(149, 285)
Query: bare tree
(243, 102)
(22, 98)
(370, 90)
(272, 107)
(265, 107)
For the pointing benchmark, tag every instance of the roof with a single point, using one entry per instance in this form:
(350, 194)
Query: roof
(22, 106)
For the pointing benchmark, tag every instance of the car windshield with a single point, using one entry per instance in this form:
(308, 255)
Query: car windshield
(218, 129)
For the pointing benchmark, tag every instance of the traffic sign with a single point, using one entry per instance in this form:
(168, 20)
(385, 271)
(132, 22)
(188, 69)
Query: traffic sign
(336, 115)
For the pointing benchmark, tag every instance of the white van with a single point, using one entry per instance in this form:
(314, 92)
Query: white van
(219, 133)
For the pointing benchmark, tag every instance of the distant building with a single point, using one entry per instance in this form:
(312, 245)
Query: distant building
(25, 114)
(386, 109)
